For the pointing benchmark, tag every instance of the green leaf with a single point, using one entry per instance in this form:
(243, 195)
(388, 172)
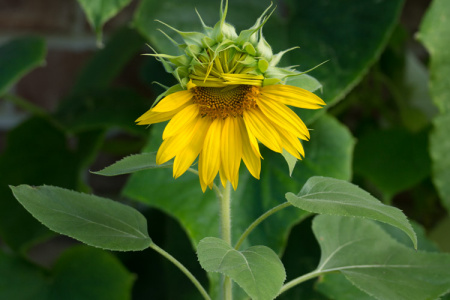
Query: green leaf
(80, 273)
(133, 163)
(382, 267)
(291, 161)
(304, 81)
(93, 220)
(87, 273)
(337, 197)
(336, 286)
(435, 35)
(439, 149)
(98, 12)
(394, 160)
(257, 270)
(18, 57)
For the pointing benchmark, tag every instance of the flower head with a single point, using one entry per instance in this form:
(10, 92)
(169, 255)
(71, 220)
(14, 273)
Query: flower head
(231, 95)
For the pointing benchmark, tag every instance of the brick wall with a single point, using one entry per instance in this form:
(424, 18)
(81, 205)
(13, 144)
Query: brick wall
(70, 43)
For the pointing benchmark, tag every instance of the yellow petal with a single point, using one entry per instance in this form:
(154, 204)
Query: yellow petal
(200, 168)
(251, 159)
(260, 126)
(223, 178)
(186, 157)
(231, 148)
(283, 116)
(292, 95)
(174, 101)
(151, 117)
(174, 145)
(181, 120)
(210, 155)
(291, 143)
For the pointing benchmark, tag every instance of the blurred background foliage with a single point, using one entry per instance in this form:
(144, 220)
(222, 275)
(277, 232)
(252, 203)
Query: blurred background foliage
(385, 128)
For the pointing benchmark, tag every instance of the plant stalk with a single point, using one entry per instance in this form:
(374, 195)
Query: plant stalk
(299, 280)
(225, 222)
(182, 269)
(259, 220)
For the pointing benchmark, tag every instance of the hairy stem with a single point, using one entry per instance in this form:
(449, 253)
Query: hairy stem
(299, 280)
(225, 222)
(259, 220)
(182, 268)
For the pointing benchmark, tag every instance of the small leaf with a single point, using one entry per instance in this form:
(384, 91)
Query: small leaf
(18, 57)
(304, 81)
(291, 161)
(377, 264)
(257, 270)
(133, 163)
(96, 221)
(100, 11)
(337, 197)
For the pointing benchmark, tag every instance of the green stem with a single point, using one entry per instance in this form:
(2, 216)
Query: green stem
(30, 107)
(299, 280)
(259, 220)
(183, 269)
(225, 221)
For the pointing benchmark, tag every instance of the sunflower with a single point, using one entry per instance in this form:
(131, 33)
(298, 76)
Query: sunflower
(230, 96)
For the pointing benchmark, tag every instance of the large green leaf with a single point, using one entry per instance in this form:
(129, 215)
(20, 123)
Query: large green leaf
(435, 34)
(100, 11)
(18, 57)
(319, 27)
(80, 273)
(337, 287)
(439, 149)
(382, 267)
(337, 197)
(258, 270)
(394, 160)
(93, 220)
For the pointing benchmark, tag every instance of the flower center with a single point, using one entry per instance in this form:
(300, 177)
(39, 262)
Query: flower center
(230, 101)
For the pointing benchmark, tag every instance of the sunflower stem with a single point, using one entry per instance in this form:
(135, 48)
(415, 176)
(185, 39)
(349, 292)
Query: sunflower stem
(258, 221)
(299, 280)
(182, 269)
(225, 220)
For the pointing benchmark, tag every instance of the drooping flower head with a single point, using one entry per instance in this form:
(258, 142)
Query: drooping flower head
(230, 96)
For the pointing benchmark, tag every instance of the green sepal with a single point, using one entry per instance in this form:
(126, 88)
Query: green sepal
(249, 48)
(263, 65)
(263, 48)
